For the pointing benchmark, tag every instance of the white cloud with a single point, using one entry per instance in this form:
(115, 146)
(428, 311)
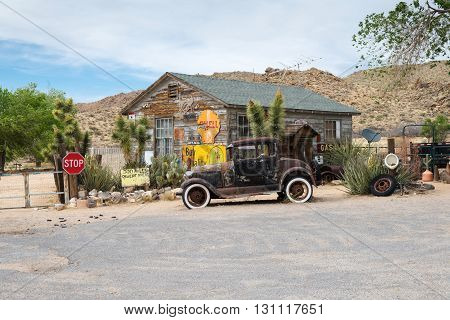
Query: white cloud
(193, 36)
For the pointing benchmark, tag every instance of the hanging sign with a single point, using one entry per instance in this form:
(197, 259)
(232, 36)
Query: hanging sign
(208, 126)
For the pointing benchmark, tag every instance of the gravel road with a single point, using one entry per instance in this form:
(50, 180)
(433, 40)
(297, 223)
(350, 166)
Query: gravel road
(337, 247)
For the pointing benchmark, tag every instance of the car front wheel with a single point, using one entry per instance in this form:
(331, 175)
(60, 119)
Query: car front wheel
(196, 196)
(299, 190)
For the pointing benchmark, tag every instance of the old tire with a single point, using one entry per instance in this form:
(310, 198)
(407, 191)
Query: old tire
(327, 177)
(383, 185)
(196, 196)
(298, 190)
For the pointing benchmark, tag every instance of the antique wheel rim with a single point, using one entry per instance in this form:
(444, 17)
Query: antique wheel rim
(299, 190)
(197, 196)
(382, 185)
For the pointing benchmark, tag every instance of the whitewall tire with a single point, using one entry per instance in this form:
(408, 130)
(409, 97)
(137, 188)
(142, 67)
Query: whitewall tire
(196, 196)
(299, 190)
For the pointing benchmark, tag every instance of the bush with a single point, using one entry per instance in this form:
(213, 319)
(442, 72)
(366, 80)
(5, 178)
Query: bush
(97, 177)
(359, 171)
(342, 152)
(360, 167)
(166, 171)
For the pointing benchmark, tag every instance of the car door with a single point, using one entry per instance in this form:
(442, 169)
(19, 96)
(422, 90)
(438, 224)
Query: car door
(248, 166)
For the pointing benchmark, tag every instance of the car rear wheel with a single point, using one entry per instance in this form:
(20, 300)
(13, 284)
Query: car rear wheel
(196, 196)
(299, 190)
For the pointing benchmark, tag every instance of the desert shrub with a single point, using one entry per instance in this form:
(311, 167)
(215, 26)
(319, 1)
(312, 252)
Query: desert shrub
(94, 176)
(362, 168)
(166, 171)
(342, 152)
(359, 171)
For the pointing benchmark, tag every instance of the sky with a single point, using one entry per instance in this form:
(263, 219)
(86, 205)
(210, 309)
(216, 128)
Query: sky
(132, 43)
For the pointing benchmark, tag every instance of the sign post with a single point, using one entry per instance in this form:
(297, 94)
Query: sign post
(73, 164)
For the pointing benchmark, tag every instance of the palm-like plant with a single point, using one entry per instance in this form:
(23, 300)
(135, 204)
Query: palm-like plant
(275, 121)
(274, 124)
(256, 118)
(128, 133)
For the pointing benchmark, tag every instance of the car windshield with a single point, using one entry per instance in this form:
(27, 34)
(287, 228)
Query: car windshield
(253, 151)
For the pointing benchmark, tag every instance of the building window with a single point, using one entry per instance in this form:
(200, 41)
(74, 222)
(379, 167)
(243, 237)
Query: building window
(172, 91)
(332, 130)
(164, 136)
(243, 127)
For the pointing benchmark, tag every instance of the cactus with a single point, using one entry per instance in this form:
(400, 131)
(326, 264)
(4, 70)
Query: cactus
(166, 171)
(427, 161)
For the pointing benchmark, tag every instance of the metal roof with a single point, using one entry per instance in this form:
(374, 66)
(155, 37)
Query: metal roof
(236, 92)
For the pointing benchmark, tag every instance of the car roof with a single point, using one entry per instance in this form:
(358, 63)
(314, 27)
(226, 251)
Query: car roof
(250, 141)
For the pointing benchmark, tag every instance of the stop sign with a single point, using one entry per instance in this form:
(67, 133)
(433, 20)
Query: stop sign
(73, 163)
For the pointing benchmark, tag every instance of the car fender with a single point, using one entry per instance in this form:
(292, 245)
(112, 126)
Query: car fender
(190, 181)
(303, 172)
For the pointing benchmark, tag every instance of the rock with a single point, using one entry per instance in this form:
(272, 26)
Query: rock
(104, 196)
(147, 196)
(82, 203)
(137, 195)
(178, 191)
(116, 197)
(73, 203)
(160, 191)
(131, 200)
(128, 189)
(59, 206)
(91, 203)
(168, 195)
(82, 194)
(93, 193)
(167, 189)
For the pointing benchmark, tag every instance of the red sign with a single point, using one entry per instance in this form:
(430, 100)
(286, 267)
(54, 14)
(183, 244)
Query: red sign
(73, 163)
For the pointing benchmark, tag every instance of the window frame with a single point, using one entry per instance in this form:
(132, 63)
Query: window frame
(164, 133)
(245, 127)
(336, 130)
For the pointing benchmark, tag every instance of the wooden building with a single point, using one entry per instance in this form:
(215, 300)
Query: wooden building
(196, 116)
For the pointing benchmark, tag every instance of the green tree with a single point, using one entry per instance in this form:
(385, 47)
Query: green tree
(275, 120)
(408, 34)
(129, 134)
(441, 127)
(26, 121)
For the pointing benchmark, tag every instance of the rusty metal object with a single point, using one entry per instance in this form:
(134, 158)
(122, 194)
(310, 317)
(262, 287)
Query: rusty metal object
(256, 167)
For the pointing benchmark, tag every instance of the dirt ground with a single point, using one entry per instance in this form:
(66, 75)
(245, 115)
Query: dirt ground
(13, 185)
(23, 221)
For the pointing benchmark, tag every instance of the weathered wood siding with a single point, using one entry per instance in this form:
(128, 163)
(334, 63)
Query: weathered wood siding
(316, 120)
(157, 104)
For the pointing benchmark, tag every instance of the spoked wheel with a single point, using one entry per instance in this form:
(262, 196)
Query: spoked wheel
(299, 190)
(196, 196)
(383, 185)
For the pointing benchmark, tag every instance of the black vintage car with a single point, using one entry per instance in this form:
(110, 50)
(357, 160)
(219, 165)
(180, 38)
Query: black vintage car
(255, 166)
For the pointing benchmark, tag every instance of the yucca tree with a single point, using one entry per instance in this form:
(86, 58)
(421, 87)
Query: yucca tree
(275, 120)
(122, 135)
(129, 133)
(272, 125)
(67, 133)
(256, 118)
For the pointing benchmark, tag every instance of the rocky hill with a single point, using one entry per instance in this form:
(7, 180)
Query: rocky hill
(386, 97)
(98, 117)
